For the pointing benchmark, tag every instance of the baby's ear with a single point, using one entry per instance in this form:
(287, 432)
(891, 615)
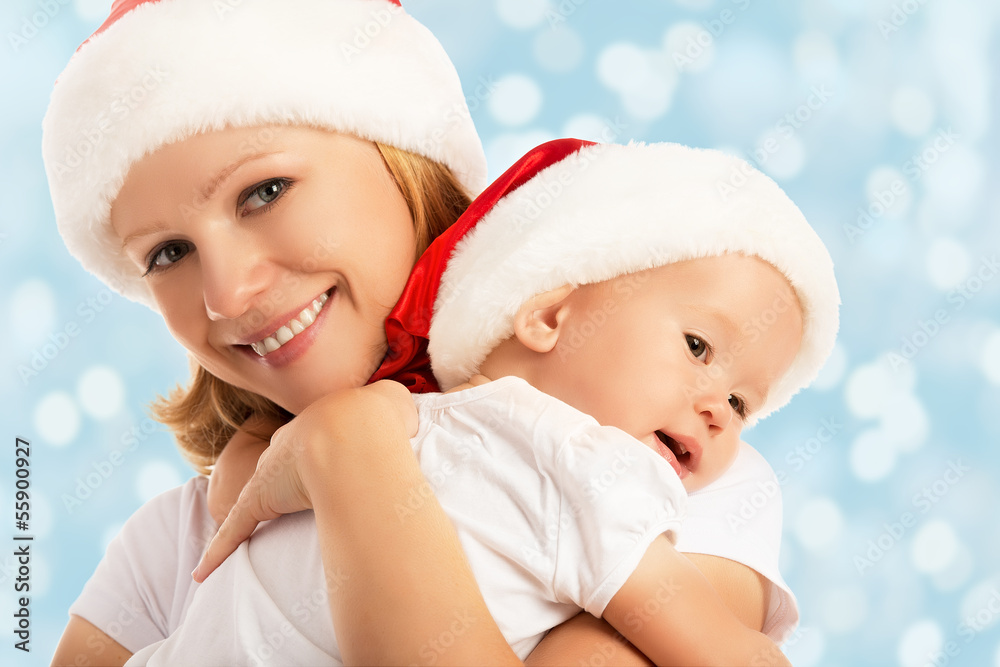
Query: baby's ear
(538, 322)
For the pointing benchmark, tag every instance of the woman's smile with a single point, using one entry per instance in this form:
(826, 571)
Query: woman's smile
(290, 329)
(298, 336)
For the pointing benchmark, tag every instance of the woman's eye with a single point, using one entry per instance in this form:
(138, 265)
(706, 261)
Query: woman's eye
(166, 255)
(262, 196)
(698, 347)
(738, 405)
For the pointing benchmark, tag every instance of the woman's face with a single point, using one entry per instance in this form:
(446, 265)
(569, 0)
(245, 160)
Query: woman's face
(274, 254)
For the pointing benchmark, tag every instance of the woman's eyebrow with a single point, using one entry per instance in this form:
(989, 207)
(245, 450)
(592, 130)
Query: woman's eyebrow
(209, 190)
(146, 231)
(206, 193)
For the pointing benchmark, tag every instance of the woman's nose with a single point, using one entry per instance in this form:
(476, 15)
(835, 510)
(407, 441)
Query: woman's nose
(236, 274)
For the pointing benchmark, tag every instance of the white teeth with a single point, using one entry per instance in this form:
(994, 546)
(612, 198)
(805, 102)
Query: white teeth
(283, 335)
(291, 329)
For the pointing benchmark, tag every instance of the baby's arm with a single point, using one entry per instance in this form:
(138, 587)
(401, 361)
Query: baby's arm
(584, 638)
(670, 612)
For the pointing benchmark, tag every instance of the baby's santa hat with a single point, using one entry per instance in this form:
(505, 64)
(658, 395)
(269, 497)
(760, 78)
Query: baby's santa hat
(574, 212)
(158, 71)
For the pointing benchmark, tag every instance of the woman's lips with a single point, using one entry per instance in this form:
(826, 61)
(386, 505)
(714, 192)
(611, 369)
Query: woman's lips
(299, 343)
(290, 329)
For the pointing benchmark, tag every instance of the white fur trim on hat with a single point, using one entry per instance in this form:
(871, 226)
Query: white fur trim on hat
(609, 210)
(173, 68)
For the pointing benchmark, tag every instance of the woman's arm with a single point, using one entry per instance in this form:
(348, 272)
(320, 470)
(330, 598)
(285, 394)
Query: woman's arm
(584, 639)
(400, 589)
(83, 643)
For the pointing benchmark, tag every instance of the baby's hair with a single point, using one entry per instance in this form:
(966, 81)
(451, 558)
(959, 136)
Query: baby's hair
(205, 415)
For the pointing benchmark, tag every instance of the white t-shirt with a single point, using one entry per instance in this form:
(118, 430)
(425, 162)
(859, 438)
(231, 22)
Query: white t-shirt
(269, 601)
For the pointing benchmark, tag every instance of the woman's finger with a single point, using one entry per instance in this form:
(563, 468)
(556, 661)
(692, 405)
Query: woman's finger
(238, 526)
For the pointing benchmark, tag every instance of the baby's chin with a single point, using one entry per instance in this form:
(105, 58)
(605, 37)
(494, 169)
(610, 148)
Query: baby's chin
(694, 482)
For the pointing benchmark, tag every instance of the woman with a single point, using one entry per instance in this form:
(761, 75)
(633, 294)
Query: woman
(252, 93)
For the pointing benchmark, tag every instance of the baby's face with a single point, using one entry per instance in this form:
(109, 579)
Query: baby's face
(679, 356)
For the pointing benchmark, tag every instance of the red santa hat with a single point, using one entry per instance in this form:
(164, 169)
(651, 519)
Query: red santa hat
(158, 71)
(574, 212)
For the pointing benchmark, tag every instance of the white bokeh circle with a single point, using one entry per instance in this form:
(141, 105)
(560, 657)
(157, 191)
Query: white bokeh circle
(516, 100)
(155, 477)
(948, 263)
(522, 14)
(100, 391)
(934, 547)
(57, 419)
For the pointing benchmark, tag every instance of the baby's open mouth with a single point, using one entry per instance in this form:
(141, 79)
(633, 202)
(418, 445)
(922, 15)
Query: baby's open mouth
(680, 453)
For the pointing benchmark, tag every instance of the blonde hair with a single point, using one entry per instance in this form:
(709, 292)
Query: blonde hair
(206, 414)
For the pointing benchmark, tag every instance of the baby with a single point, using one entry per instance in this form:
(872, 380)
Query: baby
(605, 326)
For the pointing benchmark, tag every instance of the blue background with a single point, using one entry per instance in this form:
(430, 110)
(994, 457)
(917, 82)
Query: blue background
(877, 118)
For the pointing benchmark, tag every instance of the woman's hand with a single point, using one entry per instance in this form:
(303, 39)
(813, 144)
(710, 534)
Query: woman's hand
(278, 484)
(232, 470)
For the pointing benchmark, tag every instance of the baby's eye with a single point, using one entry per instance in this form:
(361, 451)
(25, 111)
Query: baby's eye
(166, 255)
(261, 196)
(698, 347)
(738, 405)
